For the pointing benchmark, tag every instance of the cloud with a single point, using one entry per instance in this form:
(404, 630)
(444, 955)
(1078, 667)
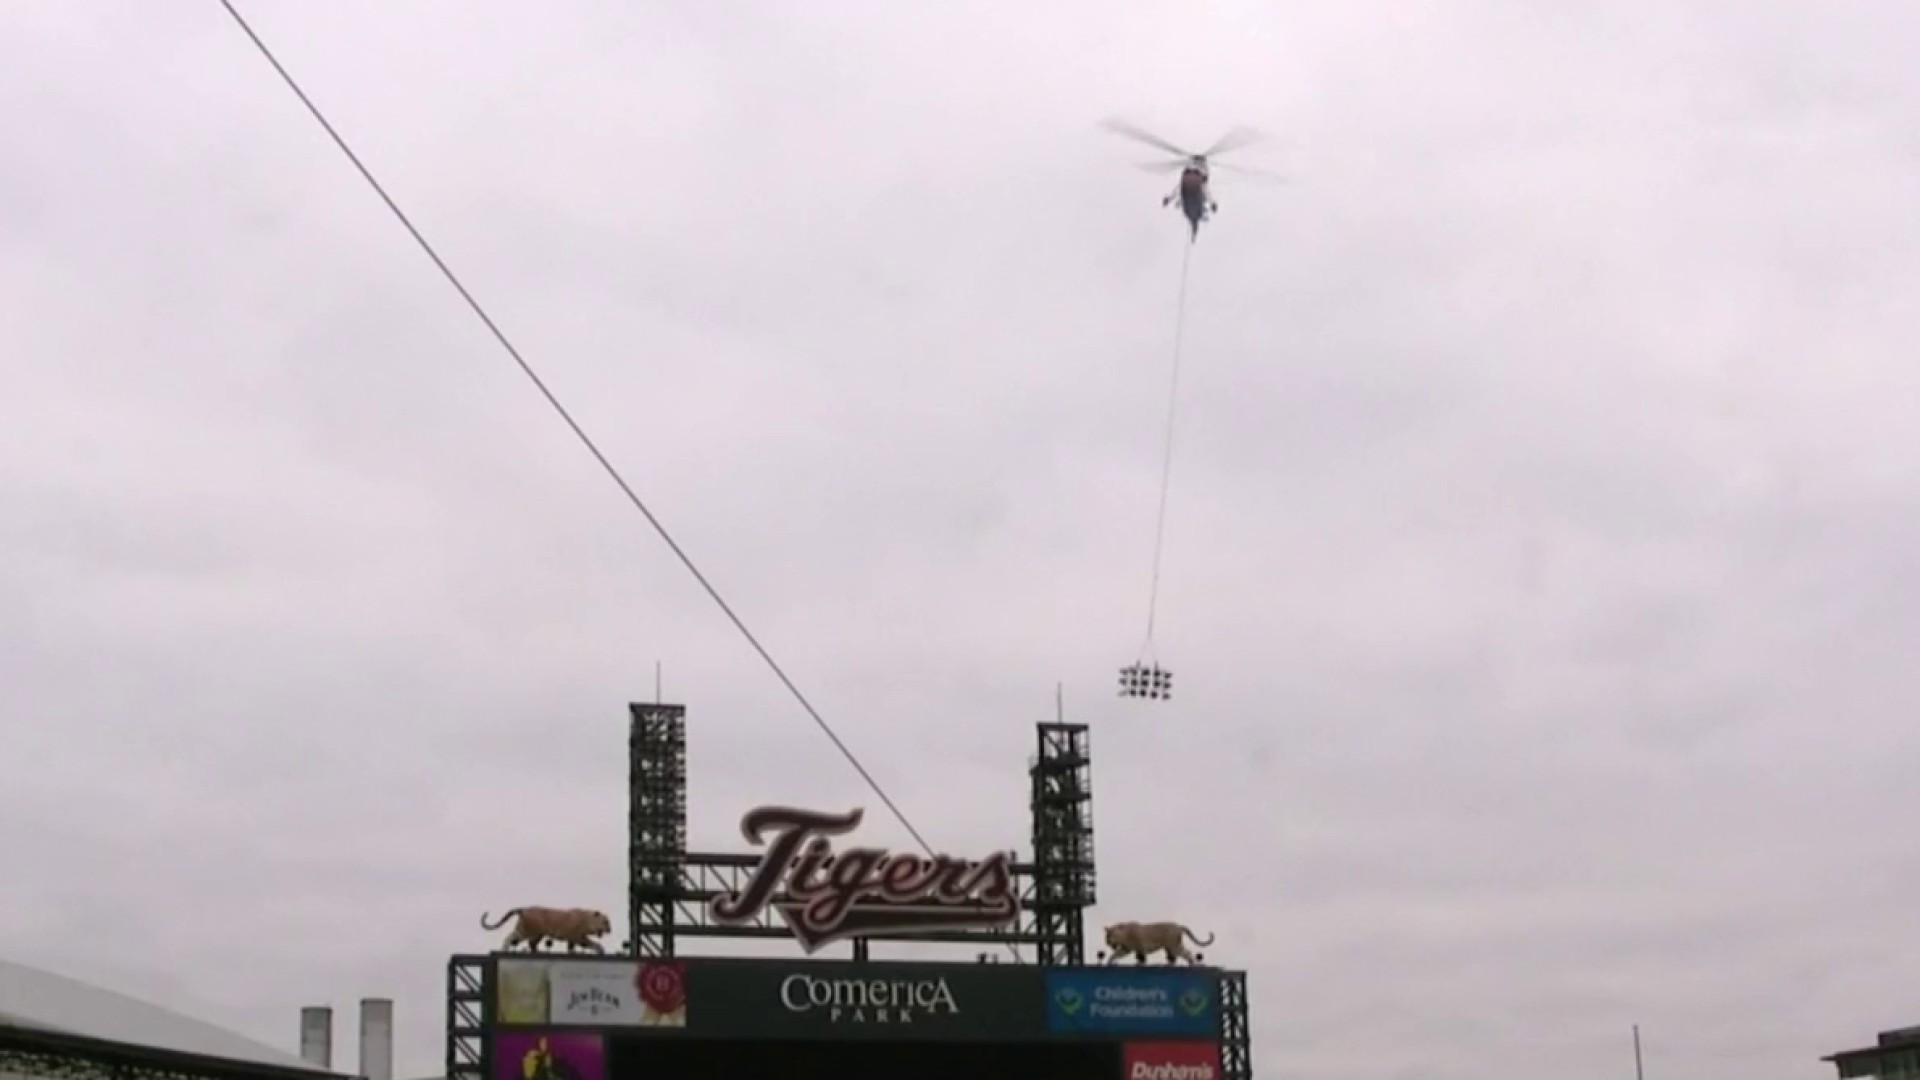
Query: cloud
(1538, 585)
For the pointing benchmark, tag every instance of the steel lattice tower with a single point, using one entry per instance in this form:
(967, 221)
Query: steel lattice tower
(656, 824)
(1063, 869)
(1236, 1036)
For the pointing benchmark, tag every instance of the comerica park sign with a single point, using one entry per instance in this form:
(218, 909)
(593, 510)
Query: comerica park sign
(832, 895)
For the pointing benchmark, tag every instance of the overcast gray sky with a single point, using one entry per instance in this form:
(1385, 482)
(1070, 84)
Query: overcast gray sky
(1540, 569)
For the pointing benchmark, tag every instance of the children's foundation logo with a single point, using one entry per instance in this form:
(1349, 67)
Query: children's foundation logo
(1139, 1003)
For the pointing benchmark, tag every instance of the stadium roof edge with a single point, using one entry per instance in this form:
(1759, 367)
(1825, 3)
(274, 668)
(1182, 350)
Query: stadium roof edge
(44, 1007)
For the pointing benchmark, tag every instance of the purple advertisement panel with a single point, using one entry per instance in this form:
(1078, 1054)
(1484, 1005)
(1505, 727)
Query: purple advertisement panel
(548, 1055)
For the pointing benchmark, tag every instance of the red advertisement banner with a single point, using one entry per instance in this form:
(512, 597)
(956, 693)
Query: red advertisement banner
(1172, 1061)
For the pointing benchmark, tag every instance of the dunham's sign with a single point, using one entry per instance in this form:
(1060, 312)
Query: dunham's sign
(826, 896)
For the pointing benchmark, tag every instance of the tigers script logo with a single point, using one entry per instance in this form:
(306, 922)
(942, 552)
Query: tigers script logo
(861, 892)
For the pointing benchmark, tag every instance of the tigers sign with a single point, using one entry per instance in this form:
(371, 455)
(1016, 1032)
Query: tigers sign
(826, 896)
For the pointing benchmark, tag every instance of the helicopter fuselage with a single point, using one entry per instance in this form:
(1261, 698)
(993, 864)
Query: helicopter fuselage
(1195, 202)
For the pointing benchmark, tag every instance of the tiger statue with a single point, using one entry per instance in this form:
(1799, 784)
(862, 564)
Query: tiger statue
(1142, 940)
(577, 927)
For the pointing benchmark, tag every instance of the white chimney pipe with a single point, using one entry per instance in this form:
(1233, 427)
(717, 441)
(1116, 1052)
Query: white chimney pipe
(376, 1038)
(316, 1036)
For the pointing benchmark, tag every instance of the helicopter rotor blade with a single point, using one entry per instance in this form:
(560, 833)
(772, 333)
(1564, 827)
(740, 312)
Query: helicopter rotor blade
(1235, 139)
(1162, 166)
(1251, 173)
(1121, 127)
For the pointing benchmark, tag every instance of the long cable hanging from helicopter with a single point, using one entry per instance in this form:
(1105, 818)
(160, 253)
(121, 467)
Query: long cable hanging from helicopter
(1145, 678)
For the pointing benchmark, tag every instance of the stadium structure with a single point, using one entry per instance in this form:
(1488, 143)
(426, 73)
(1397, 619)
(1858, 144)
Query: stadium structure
(58, 1028)
(1028, 1004)
(1894, 1055)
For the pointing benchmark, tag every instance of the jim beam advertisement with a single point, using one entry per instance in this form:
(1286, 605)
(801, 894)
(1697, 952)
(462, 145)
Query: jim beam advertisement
(826, 896)
(591, 993)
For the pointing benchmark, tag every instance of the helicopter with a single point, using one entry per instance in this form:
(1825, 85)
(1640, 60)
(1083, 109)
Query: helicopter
(1194, 193)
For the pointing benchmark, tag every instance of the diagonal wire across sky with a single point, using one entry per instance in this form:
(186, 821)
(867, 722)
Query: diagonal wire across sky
(580, 433)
